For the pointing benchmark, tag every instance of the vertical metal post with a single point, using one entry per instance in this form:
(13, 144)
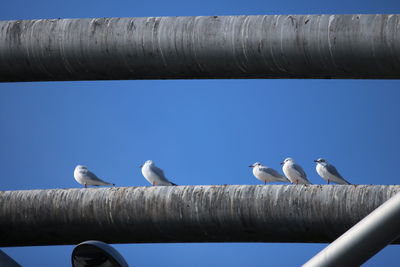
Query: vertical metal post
(364, 239)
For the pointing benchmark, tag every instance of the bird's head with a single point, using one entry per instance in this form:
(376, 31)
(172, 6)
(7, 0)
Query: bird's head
(255, 164)
(80, 167)
(320, 160)
(287, 160)
(148, 162)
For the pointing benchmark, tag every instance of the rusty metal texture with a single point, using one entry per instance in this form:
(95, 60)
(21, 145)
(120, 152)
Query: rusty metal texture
(233, 213)
(269, 46)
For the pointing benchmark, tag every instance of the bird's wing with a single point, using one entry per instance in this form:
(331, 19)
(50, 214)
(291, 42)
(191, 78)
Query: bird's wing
(300, 170)
(90, 175)
(160, 173)
(270, 171)
(332, 170)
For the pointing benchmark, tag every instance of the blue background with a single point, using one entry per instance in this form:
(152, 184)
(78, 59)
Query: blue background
(218, 127)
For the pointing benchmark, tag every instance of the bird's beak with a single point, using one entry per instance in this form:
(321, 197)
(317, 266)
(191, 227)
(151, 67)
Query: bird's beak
(282, 163)
(251, 166)
(140, 166)
(316, 160)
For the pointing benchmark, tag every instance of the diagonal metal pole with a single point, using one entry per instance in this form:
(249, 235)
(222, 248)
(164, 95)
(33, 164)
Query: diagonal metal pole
(7, 261)
(363, 240)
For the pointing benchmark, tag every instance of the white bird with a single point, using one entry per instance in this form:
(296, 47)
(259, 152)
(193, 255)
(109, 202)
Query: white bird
(153, 174)
(267, 174)
(294, 172)
(83, 176)
(328, 172)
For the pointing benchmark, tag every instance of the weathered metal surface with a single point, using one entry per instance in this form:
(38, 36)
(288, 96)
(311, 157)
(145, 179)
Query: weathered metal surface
(273, 46)
(235, 213)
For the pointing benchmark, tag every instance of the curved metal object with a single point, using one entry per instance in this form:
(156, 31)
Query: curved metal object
(269, 46)
(96, 253)
(232, 213)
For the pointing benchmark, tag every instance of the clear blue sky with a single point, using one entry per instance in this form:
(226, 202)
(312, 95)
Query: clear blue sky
(219, 126)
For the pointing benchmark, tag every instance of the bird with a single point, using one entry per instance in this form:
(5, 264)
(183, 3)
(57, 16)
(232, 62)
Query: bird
(154, 175)
(267, 174)
(328, 172)
(294, 172)
(85, 177)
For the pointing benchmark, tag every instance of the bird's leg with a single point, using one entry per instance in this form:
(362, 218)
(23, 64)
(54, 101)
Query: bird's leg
(85, 185)
(297, 181)
(328, 181)
(265, 182)
(153, 183)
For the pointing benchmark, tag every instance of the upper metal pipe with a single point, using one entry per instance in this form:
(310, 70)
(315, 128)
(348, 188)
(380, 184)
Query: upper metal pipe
(274, 46)
(234, 213)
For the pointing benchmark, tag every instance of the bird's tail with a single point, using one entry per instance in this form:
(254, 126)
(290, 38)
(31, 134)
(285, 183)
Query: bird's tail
(346, 182)
(173, 184)
(284, 179)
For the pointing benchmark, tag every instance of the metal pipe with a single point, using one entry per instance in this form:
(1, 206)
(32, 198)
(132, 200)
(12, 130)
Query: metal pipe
(96, 253)
(231, 213)
(272, 46)
(7, 261)
(364, 239)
